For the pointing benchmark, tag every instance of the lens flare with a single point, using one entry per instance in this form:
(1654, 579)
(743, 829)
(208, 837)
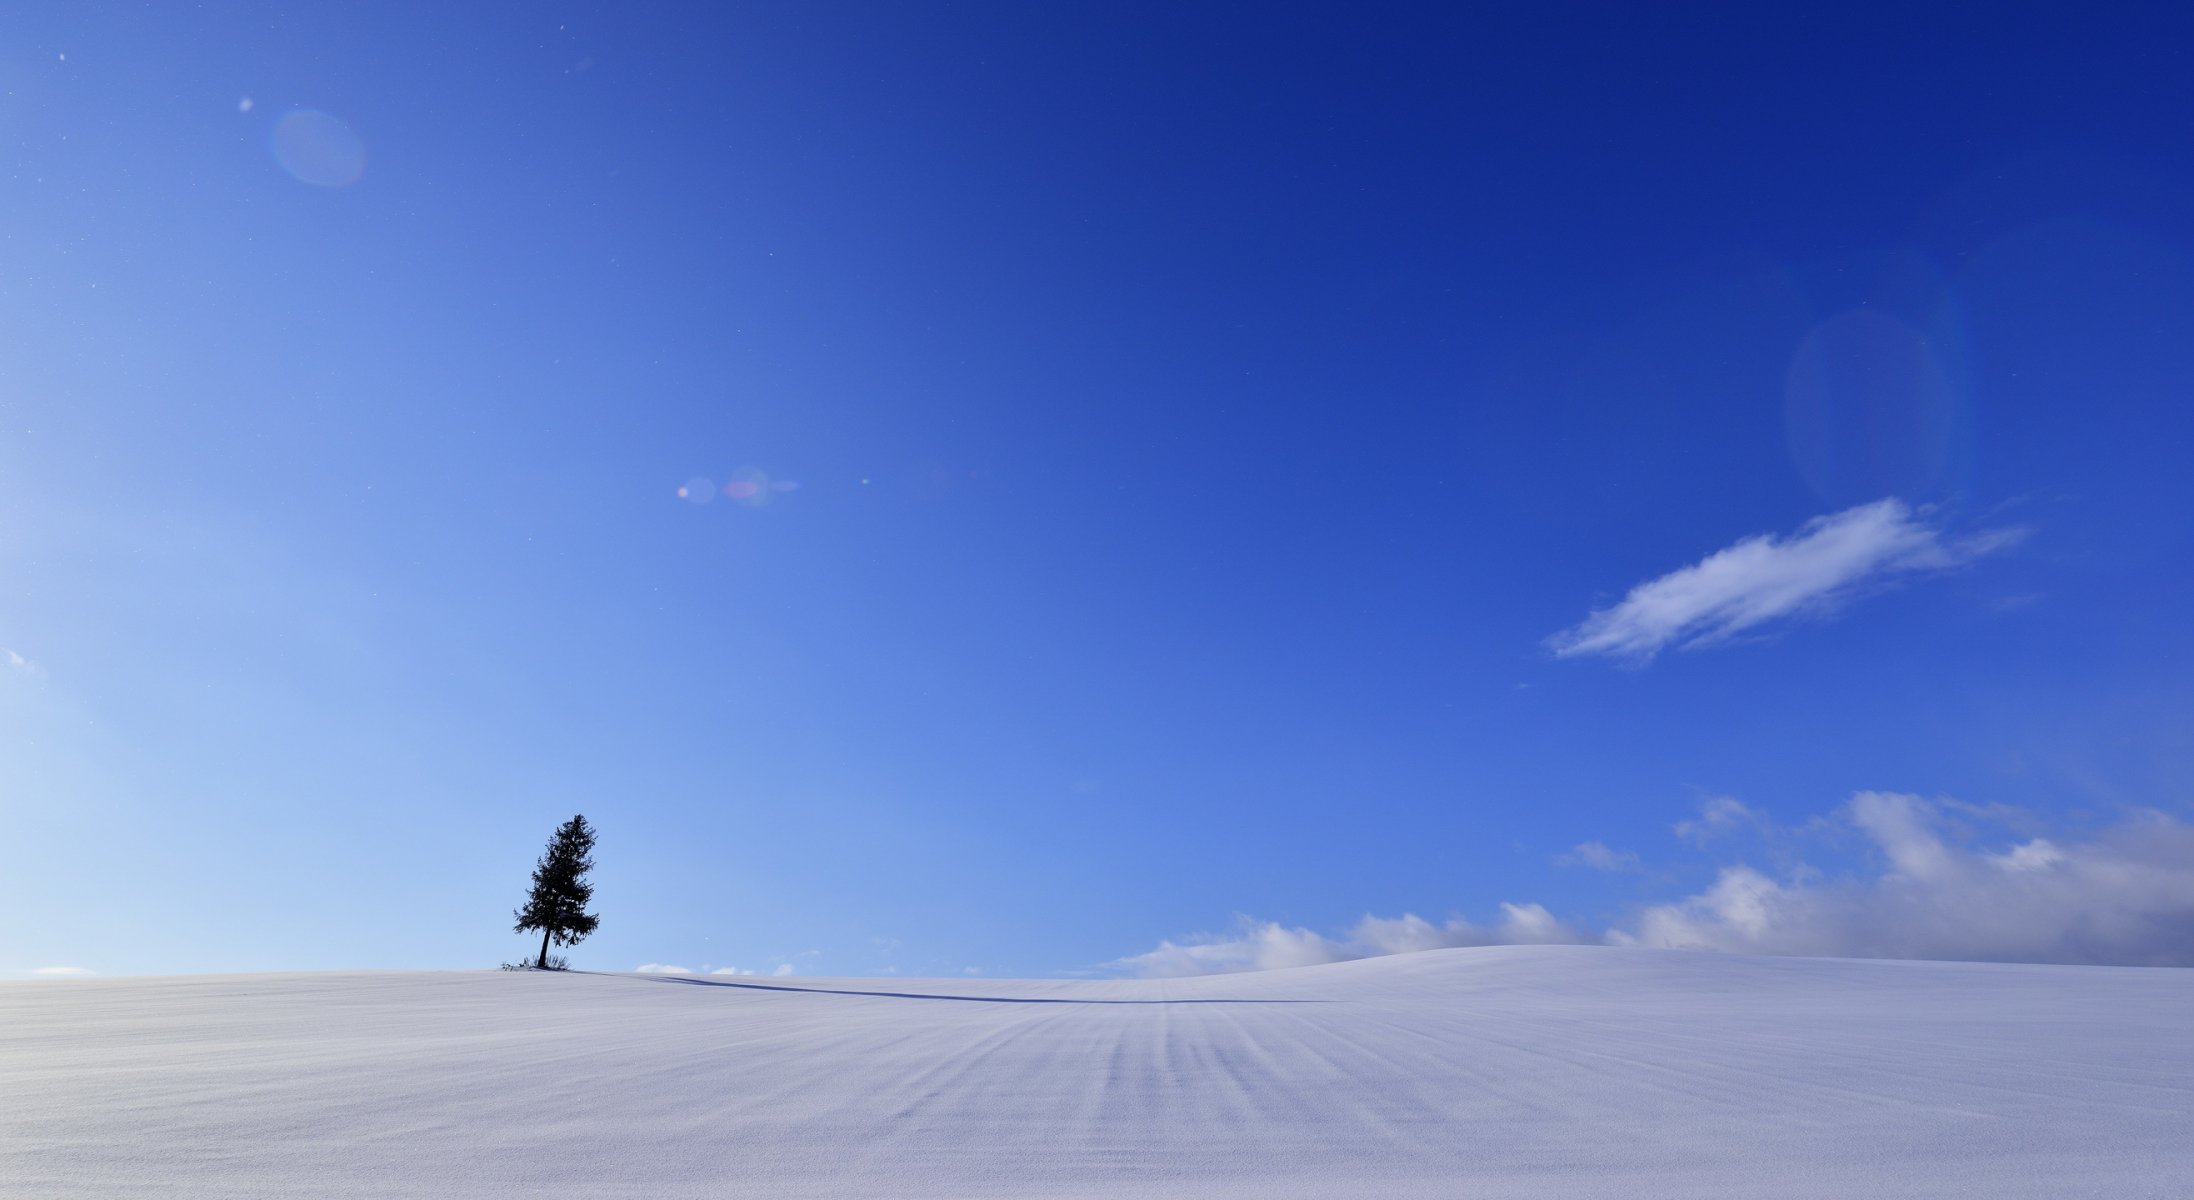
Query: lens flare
(1871, 409)
(318, 149)
(748, 485)
(754, 487)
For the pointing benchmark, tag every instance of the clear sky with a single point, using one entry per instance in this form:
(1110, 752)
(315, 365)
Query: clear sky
(1188, 477)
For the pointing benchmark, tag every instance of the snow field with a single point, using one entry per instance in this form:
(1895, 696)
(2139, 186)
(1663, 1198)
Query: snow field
(1535, 1071)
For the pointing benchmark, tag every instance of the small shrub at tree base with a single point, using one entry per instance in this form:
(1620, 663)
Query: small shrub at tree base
(556, 962)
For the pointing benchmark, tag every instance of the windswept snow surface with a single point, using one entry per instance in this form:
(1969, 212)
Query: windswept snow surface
(1498, 1072)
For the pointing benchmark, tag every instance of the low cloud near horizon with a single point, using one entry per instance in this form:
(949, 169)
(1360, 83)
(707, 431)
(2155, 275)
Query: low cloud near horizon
(1830, 560)
(62, 972)
(1268, 945)
(2123, 897)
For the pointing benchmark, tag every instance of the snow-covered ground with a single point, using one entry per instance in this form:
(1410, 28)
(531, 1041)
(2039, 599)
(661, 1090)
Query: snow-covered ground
(1499, 1072)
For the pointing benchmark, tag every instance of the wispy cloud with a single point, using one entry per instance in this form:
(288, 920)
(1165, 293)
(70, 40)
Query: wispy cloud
(1947, 880)
(16, 662)
(780, 970)
(1761, 579)
(661, 969)
(1718, 815)
(1600, 857)
(62, 972)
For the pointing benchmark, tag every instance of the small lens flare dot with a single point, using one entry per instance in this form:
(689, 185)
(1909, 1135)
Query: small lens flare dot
(697, 490)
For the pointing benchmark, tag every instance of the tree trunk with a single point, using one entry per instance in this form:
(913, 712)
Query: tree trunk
(543, 964)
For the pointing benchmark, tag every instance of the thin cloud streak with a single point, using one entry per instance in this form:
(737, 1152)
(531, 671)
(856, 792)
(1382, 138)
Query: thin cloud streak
(1600, 857)
(1760, 579)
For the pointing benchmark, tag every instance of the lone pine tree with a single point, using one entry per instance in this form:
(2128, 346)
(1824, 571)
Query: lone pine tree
(558, 904)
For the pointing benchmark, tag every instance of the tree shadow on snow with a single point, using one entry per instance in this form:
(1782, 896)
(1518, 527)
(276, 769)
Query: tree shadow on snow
(780, 987)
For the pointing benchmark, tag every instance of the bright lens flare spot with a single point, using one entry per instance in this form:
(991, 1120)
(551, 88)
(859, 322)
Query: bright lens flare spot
(318, 149)
(754, 487)
(747, 486)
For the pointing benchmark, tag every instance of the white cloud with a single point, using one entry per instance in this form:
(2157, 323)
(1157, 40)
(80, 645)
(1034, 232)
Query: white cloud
(2037, 855)
(1762, 578)
(782, 970)
(661, 969)
(1599, 857)
(1938, 889)
(1717, 815)
(730, 971)
(17, 662)
(2126, 897)
(62, 972)
(1268, 945)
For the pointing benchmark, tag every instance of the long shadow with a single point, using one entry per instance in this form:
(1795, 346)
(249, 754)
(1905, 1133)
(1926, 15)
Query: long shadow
(778, 987)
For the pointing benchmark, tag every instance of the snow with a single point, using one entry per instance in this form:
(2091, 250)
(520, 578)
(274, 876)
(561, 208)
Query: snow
(1535, 1071)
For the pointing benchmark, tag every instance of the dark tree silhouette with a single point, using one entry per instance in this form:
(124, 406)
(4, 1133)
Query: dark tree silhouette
(558, 904)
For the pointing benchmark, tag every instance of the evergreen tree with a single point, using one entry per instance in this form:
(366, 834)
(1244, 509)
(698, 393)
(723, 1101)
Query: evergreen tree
(557, 906)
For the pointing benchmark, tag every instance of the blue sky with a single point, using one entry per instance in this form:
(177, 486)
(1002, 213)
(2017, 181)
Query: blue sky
(1177, 478)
